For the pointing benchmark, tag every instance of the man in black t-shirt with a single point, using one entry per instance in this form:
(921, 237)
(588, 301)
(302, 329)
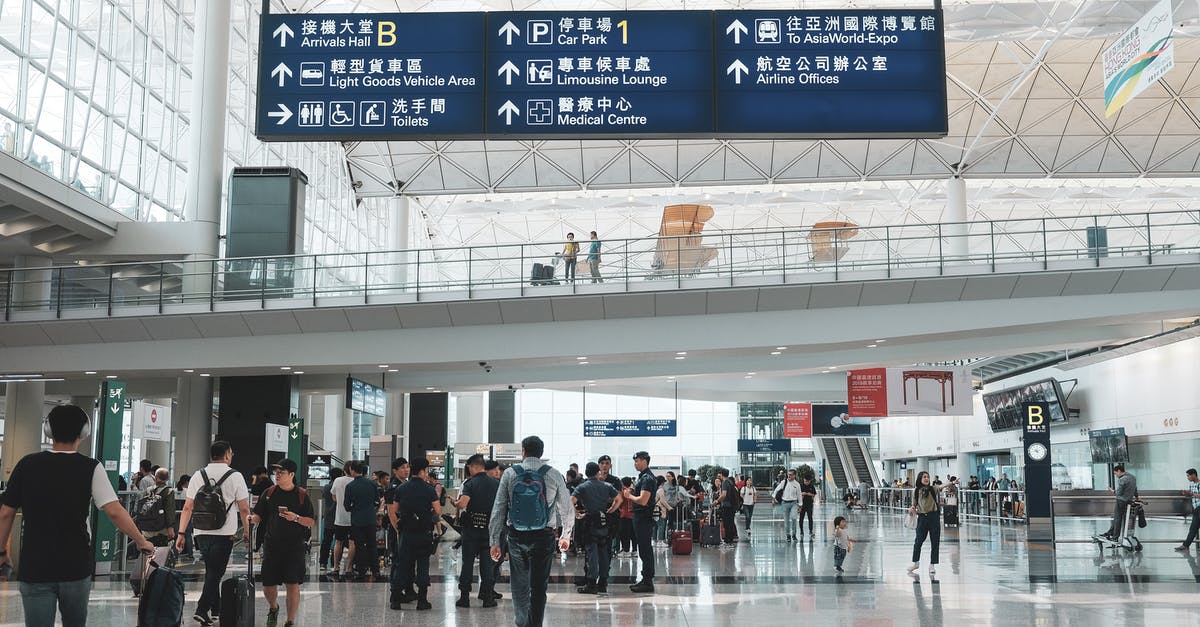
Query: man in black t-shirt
(808, 494)
(54, 490)
(642, 494)
(418, 510)
(284, 513)
(596, 498)
(475, 503)
(725, 501)
(400, 472)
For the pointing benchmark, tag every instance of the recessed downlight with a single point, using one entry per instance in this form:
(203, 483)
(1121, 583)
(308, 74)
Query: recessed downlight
(189, 371)
(205, 374)
(429, 388)
(111, 376)
(776, 353)
(582, 363)
(285, 367)
(90, 372)
(681, 353)
(681, 358)
(384, 366)
(393, 370)
(780, 348)
(581, 358)
(298, 372)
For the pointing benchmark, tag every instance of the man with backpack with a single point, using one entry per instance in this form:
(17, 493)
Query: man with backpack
(532, 501)
(417, 512)
(285, 514)
(155, 512)
(54, 490)
(211, 496)
(728, 503)
(642, 496)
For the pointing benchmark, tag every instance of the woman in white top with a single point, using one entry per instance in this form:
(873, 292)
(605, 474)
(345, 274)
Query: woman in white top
(748, 503)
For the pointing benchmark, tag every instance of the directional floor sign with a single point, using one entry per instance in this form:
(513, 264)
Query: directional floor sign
(362, 76)
(599, 73)
(871, 73)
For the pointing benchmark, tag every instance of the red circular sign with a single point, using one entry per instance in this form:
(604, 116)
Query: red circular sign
(153, 415)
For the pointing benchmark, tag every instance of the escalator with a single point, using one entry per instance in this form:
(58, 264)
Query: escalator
(860, 461)
(833, 463)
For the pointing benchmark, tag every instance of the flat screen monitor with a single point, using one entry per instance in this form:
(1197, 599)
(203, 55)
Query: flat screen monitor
(1109, 446)
(1004, 407)
(318, 472)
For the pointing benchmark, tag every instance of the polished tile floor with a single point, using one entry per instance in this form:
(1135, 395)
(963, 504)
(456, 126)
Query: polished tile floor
(989, 575)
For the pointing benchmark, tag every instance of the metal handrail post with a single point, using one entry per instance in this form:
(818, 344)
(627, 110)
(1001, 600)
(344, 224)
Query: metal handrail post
(836, 256)
(1149, 243)
(678, 262)
(366, 277)
(162, 271)
(887, 243)
(417, 283)
(58, 305)
(1045, 248)
(212, 286)
(992, 241)
(783, 253)
(731, 264)
(110, 290)
(1095, 239)
(262, 282)
(314, 288)
(941, 253)
(470, 258)
(521, 273)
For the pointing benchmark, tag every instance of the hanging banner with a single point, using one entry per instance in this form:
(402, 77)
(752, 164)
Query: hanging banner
(835, 421)
(867, 392)
(913, 391)
(1138, 58)
(151, 421)
(797, 420)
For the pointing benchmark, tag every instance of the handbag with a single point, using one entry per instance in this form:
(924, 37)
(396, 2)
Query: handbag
(911, 521)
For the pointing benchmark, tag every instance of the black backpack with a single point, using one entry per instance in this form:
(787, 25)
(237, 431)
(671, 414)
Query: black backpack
(209, 510)
(151, 511)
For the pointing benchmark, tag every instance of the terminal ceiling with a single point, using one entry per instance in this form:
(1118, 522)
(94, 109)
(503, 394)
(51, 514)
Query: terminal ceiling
(1025, 100)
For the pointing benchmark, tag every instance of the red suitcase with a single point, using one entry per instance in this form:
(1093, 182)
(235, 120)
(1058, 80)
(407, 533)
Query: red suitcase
(681, 542)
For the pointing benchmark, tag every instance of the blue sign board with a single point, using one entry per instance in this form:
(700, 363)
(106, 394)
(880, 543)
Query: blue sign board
(874, 73)
(617, 428)
(600, 73)
(764, 446)
(369, 76)
(396, 76)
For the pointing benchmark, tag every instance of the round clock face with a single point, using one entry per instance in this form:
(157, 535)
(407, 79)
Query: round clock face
(1037, 451)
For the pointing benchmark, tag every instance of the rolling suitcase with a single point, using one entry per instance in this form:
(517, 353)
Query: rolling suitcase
(163, 556)
(681, 542)
(710, 535)
(695, 524)
(161, 592)
(237, 596)
(950, 515)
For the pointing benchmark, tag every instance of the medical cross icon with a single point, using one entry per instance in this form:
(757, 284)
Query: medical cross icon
(539, 112)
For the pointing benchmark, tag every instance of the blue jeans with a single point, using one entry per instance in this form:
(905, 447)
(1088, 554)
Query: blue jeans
(42, 600)
(531, 554)
(643, 531)
(475, 545)
(216, 550)
(789, 518)
(660, 529)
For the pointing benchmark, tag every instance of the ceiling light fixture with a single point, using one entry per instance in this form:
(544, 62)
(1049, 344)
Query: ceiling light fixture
(872, 345)
(189, 371)
(298, 372)
(384, 366)
(393, 370)
(205, 374)
(94, 372)
(751, 373)
(111, 376)
(581, 358)
(681, 353)
(880, 341)
(592, 381)
(780, 348)
(285, 367)
(776, 353)
(747, 377)
(582, 363)
(680, 358)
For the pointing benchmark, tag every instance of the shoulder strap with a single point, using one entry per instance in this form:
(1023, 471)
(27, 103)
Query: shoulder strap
(204, 475)
(303, 493)
(267, 495)
(223, 477)
(541, 472)
(519, 470)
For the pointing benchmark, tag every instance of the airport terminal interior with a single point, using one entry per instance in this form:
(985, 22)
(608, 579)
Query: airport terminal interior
(857, 241)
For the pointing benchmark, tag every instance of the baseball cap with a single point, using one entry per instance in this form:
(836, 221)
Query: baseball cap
(603, 458)
(285, 464)
(642, 455)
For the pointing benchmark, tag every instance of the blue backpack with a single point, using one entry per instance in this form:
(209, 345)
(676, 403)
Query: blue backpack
(529, 509)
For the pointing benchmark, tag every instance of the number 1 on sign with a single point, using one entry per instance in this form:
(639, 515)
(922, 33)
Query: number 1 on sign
(624, 26)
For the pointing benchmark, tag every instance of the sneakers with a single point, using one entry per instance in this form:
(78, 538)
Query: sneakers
(490, 602)
(838, 569)
(588, 588)
(642, 586)
(464, 600)
(1181, 548)
(494, 595)
(273, 616)
(912, 569)
(932, 569)
(204, 619)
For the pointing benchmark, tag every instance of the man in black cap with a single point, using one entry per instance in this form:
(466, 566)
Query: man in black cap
(642, 495)
(285, 514)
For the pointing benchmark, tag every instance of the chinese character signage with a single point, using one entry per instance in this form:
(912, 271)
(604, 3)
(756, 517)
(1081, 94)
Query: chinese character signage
(797, 420)
(1138, 58)
(621, 428)
(111, 421)
(866, 392)
(360, 76)
(831, 73)
(764, 446)
(1038, 474)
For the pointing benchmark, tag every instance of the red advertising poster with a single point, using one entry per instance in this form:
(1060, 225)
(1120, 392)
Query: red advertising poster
(797, 420)
(867, 393)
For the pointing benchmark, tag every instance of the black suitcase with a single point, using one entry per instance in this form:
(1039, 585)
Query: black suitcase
(535, 275)
(237, 596)
(710, 535)
(950, 515)
(160, 592)
(695, 525)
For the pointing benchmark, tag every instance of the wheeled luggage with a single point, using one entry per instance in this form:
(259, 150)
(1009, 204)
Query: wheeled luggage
(160, 591)
(681, 542)
(163, 557)
(710, 535)
(950, 515)
(237, 596)
(542, 274)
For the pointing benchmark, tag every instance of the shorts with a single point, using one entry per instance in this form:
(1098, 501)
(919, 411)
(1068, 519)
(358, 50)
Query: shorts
(341, 534)
(281, 565)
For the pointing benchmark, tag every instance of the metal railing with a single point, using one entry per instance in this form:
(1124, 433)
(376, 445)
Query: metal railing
(793, 255)
(981, 504)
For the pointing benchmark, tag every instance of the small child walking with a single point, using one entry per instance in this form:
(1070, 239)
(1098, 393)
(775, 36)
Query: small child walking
(842, 542)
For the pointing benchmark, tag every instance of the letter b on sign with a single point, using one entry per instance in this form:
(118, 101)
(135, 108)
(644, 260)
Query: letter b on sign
(1034, 415)
(387, 33)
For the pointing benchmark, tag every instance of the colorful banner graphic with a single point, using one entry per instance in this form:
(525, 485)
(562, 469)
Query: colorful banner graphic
(1138, 58)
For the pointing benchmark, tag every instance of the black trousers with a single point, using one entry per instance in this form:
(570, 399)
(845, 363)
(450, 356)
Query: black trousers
(806, 509)
(326, 545)
(643, 531)
(928, 525)
(728, 527)
(366, 554)
(475, 546)
(1194, 529)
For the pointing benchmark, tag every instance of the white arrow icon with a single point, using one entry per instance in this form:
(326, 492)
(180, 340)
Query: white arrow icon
(738, 29)
(507, 111)
(116, 408)
(284, 114)
(281, 71)
(737, 68)
(508, 30)
(507, 71)
(283, 32)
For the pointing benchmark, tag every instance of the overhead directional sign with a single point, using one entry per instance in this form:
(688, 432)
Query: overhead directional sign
(365, 76)
(871, 73)
(599, 73)
(629, 74)
(625, 428)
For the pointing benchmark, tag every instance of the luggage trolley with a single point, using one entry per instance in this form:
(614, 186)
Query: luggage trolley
(1127, 538)
(543, 274)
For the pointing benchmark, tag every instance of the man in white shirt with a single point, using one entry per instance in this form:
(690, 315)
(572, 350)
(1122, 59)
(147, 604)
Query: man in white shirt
(788, 492)
(341, 523)
(215, 543)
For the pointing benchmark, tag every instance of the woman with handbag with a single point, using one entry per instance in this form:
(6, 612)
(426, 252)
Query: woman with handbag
(925, 517)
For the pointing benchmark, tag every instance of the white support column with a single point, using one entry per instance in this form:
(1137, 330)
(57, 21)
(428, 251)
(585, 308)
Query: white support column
(398, 239)
(31, 283)
(955, 246)
(206, 136)
(333, 428)
(192, 423)
(24, 409)
(346, 449)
